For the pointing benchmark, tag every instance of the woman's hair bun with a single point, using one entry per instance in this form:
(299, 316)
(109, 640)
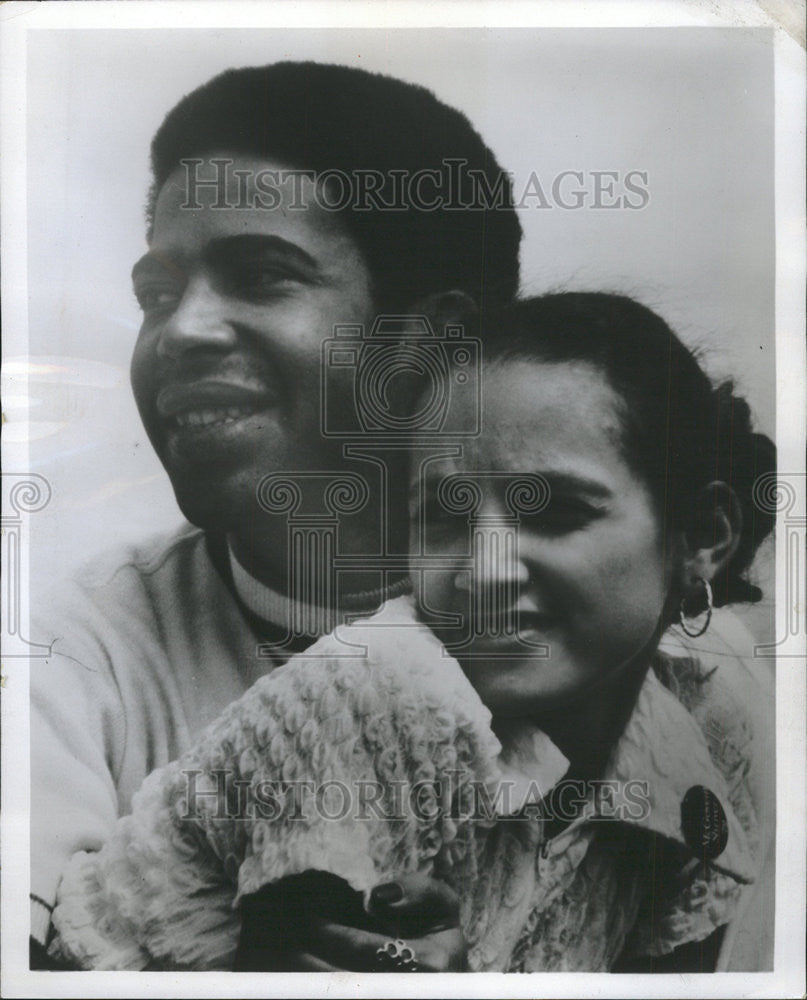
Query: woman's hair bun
(744, 459)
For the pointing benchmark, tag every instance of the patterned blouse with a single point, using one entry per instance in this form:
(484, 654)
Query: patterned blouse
(623, 875)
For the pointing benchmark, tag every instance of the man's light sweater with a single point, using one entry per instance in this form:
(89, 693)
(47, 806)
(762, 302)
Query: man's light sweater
(278, 786)
(149, 647)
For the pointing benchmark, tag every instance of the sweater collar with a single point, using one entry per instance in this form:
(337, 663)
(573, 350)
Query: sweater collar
(306, 618)
(660, 759)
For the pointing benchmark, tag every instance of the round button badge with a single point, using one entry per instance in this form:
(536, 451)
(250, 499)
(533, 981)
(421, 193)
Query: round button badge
(704, 823)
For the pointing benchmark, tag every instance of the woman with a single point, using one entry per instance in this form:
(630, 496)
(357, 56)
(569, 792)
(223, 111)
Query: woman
(628, 828)
(649, 524)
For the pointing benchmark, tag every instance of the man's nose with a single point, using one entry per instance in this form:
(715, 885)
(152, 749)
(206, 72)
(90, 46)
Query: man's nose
(200, 320)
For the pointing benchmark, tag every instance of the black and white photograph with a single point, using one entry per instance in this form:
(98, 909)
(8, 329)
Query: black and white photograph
(403, 499)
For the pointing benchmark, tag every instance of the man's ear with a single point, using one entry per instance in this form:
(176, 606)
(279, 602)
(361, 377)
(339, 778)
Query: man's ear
(713, 539)
(445, 308)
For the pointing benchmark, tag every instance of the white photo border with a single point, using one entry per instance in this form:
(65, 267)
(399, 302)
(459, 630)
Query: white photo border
(17, 20)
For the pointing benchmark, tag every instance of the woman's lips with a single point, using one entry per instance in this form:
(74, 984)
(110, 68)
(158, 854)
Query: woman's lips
(510, 634)
(512, 622)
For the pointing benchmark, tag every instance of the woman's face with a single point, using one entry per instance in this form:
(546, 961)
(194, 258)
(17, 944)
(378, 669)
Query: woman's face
(590, 572)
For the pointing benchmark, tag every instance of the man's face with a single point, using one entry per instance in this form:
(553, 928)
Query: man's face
(226, 370)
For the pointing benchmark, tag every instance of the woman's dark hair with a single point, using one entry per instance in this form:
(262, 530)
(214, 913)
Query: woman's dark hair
(681, 433)
(312, 116)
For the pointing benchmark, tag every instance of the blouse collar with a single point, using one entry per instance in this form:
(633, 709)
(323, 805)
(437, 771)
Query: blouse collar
(660, 759)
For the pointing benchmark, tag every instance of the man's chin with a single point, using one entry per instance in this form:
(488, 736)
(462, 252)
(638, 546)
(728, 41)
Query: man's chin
(211, 510)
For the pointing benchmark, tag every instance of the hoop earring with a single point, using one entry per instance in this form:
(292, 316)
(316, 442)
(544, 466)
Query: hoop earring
(682, 618)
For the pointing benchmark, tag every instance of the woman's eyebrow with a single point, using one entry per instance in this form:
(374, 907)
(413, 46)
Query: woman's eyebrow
(567, 482)
(570, 482)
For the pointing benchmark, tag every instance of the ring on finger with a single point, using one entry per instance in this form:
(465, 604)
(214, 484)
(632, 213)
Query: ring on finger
(396, 954)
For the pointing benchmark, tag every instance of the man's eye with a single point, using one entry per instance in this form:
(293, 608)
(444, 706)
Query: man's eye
(259, 282)
(154, 297)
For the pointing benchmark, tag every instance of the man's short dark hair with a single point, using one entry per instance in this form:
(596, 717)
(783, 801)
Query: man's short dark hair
(312, 116)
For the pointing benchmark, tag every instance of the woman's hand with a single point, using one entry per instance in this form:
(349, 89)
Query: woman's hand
(421, 911)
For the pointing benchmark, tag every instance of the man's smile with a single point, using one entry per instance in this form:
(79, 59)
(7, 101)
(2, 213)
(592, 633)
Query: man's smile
(203, 417)
(209, 418)
(182, 399)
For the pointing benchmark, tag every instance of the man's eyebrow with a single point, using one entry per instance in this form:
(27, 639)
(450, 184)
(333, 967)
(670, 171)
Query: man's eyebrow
(225, 248)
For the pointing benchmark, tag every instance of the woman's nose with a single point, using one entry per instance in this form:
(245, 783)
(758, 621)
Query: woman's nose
(495, 580)
(496, 561)
(200, 320)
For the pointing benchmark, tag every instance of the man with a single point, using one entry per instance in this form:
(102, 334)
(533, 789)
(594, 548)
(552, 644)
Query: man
(255, 256)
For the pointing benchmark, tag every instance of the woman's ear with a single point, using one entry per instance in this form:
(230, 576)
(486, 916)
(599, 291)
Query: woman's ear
(714, 536)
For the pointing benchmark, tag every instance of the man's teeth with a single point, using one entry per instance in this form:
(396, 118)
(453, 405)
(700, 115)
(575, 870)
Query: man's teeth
(207, 418)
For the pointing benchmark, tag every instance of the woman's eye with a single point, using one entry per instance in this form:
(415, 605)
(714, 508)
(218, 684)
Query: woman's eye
(565, 515)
